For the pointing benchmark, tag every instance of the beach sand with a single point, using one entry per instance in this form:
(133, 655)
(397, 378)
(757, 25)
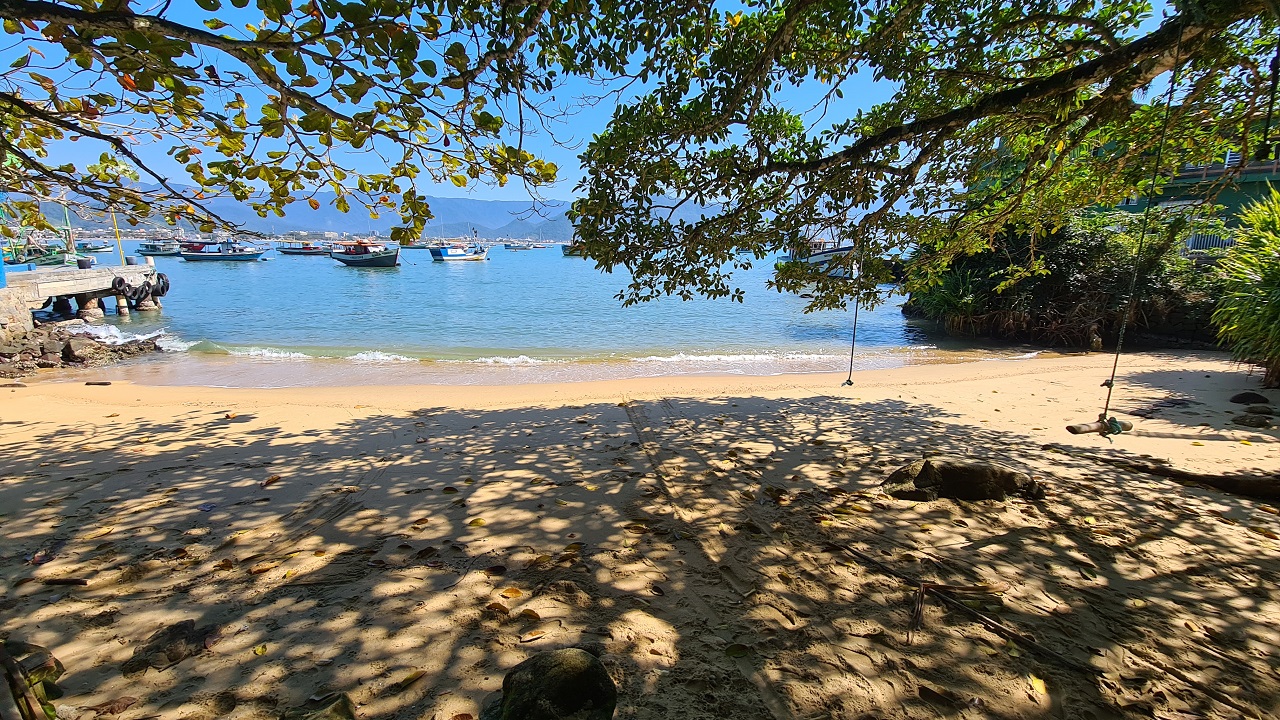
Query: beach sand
(409, 545)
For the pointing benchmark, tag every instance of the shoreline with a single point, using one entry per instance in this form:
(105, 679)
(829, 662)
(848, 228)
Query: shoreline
(408, 545)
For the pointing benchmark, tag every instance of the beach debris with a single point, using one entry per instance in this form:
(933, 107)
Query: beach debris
(1249, 398)
(47, 553)
(404, 683)
(230, 416)
(114, 707)
(1253, 420)
(98, 382)
(260, 649)
(65, 581)
(269, 481)
(555, 685)
(959, 479)
(206, 507)
(30, 672)
(334, 706)
(495, 570)
(511, 593)
(478, 522)
(169, 646)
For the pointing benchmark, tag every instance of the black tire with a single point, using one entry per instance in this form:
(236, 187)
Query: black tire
(162, 285)
(118, 285)
(144, 291)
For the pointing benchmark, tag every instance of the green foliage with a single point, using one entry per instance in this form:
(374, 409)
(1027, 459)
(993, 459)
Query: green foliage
(271, 103)
(1071, 287)
(1003, 117)
(1248, 314)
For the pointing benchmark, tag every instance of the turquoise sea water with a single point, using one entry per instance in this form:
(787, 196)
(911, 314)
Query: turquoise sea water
(521, 316)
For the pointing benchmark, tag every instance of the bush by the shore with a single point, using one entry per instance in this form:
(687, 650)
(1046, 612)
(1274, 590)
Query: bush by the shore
(1070, 288)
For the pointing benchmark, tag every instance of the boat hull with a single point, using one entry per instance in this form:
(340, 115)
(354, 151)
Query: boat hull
(383, 259)
(301, 251)
(448, 254)
(235, 257)
(160, 253)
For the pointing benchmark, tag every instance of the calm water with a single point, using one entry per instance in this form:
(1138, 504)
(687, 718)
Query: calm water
(523, 316)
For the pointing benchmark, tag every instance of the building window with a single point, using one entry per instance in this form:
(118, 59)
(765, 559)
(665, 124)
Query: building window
(1233, 158)
(1129, 201)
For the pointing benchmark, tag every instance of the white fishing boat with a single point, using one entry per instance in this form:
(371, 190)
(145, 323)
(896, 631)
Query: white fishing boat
(160, 248)
(224, 250)
(459, 251)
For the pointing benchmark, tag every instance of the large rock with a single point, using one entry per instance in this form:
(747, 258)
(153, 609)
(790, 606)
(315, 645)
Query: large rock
(83, 349)
(569, 684)
(1253, 420)
(1250, 398)
(959, 479)
(1260, 410)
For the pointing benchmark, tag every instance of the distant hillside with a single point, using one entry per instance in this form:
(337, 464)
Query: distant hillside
(454, 217)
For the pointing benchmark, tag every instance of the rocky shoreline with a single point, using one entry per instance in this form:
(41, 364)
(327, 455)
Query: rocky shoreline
(58, 345)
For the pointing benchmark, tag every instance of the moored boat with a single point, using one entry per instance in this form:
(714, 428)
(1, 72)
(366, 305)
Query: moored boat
(91, 245)
(363, 253)
(225, 250)
(302, 247)
(571, 250)
(160, 248)
(459, 251)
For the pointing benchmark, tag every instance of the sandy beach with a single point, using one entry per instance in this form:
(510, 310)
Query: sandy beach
(409, 545)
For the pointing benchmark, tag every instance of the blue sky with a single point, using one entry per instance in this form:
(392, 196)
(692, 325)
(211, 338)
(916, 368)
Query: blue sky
(861, 91)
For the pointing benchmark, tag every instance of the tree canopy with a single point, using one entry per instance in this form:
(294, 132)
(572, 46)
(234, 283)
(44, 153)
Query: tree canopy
(1006, 116)
(274, 103)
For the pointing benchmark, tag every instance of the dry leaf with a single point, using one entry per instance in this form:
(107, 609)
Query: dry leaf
(270, 481)
(1197, 443)
(230, 416)
(116, 415)
(497, 607)
(478, 522)
(264, 567)
(530, 614)
(403, 684)
(260, 650)
(449, 490)
(530, 637)
(495, 570)
(511, 593)
(1038, 686)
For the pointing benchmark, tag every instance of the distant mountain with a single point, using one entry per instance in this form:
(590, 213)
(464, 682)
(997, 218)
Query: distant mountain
(454, 217)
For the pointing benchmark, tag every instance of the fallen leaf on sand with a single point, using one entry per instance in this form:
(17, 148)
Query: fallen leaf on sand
(1264, 532)
(1197, 443)
(495, 570)
(114, 707)
(511, 593)
(230, 416)
(264, 567)
(497, 607)
(269, 481)
(1139, 603)
(260, 650)
(573, 547)
(118, 415)
(530, 637)
(1038, 686)
(223, 565)
(478, 522)
(449, 490)
(530, 614)
(99, 533)
(405, 682)
(1269, 509)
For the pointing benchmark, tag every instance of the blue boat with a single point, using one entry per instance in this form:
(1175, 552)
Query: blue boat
(225, 250)
(458, 251)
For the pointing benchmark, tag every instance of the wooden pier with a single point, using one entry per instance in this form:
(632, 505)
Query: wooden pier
(134, 287)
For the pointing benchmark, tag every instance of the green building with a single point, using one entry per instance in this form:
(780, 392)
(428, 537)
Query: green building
(1231, 184)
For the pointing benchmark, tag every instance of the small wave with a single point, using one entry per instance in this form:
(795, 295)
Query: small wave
(734, 359)
(273, 353)
(377, 356)
(112, 335)
(517, 360)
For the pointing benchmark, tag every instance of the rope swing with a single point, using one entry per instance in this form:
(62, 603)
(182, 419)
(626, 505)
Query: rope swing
(1105, 424)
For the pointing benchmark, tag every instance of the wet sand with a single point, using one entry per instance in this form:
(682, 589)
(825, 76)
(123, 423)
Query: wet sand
(408, 545)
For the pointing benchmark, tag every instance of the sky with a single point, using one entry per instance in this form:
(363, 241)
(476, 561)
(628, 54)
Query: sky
(572, 134)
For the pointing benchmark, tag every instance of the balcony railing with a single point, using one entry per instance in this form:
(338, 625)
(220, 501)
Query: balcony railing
(1214, 171)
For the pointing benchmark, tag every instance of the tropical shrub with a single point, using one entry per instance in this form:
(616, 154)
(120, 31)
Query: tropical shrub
(1248, 314)
(1070, 287)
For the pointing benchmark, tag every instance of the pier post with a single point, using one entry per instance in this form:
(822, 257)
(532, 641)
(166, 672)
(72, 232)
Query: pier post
(122, 306)
(147, 304)
(88, 308)
(62, 305)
